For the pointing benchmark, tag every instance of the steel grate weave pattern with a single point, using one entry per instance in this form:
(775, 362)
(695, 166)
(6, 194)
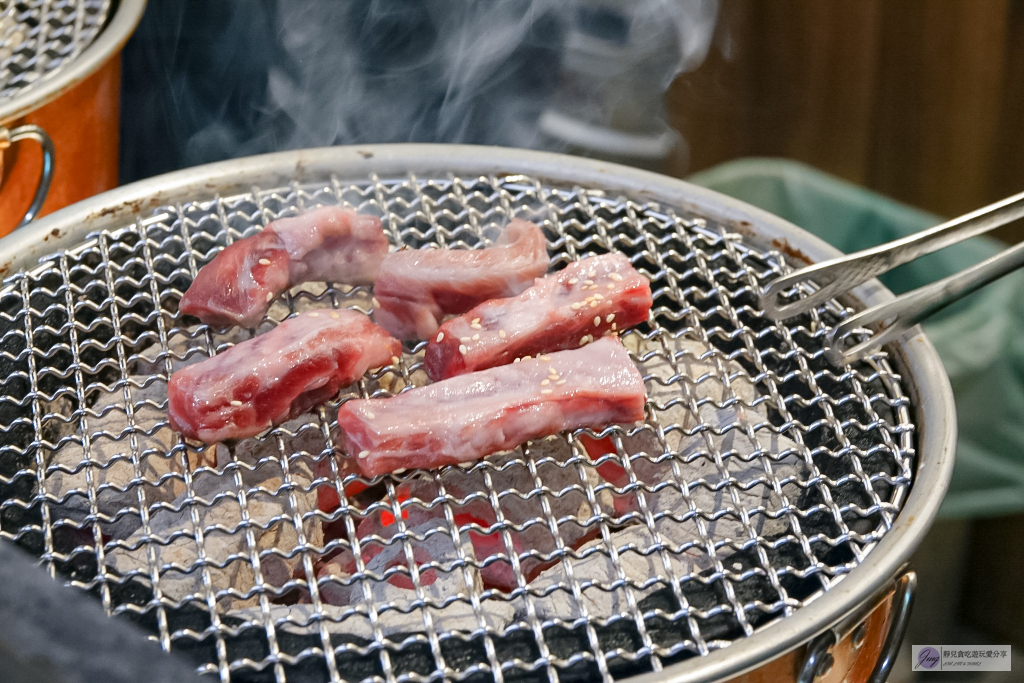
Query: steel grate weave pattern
(37, 37)
(761, 477)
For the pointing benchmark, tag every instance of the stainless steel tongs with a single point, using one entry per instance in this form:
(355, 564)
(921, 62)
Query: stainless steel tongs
(891, 319)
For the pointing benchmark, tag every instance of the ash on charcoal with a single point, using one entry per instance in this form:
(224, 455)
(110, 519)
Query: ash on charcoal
(172, 548)
(131, 455)
(124, 455)
(712, 486)
(353, 621)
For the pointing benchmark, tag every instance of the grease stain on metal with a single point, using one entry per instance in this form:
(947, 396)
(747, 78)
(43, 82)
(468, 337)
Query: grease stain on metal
(782, 244)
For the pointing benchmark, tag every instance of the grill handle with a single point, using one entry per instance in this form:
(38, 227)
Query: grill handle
(902, 603)
(818, 661)
(32, 132)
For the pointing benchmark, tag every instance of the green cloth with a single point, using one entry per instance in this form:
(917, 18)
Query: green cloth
(980, 339)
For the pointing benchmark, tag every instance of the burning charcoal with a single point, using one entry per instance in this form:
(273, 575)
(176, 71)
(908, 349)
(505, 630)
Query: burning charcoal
(642, 559)
(732, 438)
(395, 596)
(695, 478)
(437, 547)
(702, 369)
(528, 526)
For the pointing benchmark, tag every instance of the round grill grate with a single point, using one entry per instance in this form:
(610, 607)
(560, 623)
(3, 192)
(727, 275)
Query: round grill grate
(38, 37)
(761, 477)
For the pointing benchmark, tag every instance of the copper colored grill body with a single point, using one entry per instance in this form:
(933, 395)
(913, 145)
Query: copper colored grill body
(90, 474)
(38, 37)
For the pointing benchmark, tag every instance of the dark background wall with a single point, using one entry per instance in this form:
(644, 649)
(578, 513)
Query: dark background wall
(922, 100)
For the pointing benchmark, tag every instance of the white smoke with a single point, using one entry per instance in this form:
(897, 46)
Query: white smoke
(472, 71)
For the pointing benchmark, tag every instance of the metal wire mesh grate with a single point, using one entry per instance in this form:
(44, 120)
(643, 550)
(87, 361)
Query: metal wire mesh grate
(761, 477)
(37, 37)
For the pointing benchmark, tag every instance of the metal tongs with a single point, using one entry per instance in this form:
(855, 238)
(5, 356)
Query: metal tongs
(891, 319)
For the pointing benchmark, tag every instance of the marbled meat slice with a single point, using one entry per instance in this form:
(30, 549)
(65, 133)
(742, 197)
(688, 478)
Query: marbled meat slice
(580, 303)
(416, 288)
(470, 416)
(329, 244)
(271, 378)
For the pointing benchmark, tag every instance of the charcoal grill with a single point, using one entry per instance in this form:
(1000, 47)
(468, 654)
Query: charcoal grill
(790, 550)
(40, 39)
(59, 86)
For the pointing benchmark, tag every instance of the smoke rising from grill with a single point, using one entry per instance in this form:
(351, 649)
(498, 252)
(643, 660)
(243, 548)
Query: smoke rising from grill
(239, 78)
